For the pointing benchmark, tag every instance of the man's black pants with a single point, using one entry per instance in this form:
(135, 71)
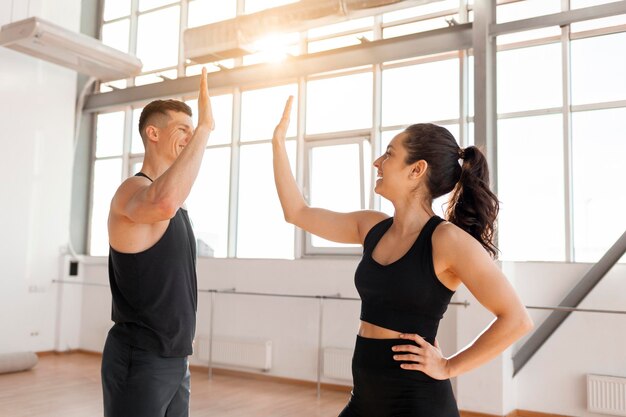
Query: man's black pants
(138, 383)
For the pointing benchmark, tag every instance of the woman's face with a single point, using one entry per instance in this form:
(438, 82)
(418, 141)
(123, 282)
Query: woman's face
(393, 174)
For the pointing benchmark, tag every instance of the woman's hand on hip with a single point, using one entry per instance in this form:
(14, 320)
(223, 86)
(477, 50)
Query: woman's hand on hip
(424, 357)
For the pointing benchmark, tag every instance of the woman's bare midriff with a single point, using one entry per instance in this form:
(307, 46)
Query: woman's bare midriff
(372, 331)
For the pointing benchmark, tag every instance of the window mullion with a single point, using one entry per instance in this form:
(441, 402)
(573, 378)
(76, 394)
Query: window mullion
(128, 129)
(299, 235)
(234, 175)
(184, 13)
(134, 24)
(567, 144)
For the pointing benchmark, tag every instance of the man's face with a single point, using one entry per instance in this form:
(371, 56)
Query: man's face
(176, 134)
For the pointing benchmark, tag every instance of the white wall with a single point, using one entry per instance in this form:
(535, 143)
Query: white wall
(37, 120)
(553, 381)
(586, 343)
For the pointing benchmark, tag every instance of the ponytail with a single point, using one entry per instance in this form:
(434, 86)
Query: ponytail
(472, 206)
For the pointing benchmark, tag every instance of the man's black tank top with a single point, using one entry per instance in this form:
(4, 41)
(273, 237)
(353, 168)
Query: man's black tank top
(406, 295)
(155, 291)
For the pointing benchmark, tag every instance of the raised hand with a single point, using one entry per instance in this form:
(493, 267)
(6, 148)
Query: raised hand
(426, 357)
(281, 128)
(205, 112)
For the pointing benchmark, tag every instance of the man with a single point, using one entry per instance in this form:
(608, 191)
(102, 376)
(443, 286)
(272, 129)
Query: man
(152, 273)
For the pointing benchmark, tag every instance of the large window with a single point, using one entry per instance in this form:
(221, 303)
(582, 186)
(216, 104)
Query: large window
(561, 106)
(559, 150)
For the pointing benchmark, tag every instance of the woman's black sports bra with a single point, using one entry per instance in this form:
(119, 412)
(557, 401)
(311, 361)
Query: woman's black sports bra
(406, 295)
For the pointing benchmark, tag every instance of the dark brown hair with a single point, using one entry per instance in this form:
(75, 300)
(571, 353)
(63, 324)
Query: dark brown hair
(472, 206)
(158, 108)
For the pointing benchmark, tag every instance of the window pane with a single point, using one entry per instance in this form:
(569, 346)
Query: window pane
(340, 103)
(208, 201)
(136, 145)
(595, 23)
(135, 167)
(415, 27)
(116, 8)
(470, 86)
(157, 38)
(599, 23)
(110, 134)
(433, 7)
(262, 109)
(349, 25)
(151, 4)
(530, 189)
(528, 35)
(367, 173)
(421, 93)
(529, 78)
(335, 182)
(261, 228)
(222, 107)
(116, 34)
(252, 6)
(598, 68)
(599, 152)
(106, 179)
(526, 9)
(203, 12)
(577, 4)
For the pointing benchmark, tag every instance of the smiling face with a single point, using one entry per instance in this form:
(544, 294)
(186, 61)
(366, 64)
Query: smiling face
(392, 170)
(169, 134)
(395, 178)
(165, 127)
(176, 134)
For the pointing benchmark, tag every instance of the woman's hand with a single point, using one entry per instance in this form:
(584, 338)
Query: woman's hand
(281, 128)
(426, 357)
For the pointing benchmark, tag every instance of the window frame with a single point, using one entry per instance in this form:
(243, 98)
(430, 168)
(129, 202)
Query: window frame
(325, 141)
(303, 247)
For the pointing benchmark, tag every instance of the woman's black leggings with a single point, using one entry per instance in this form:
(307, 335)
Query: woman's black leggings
(383, 389)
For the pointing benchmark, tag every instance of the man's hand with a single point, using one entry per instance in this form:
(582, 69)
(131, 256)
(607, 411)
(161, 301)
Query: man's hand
(205, 112)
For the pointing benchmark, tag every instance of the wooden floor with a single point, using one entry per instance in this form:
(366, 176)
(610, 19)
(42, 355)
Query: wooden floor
(68, 385)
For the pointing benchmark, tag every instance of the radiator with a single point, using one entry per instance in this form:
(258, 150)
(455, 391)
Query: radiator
(237, 352)
(337, 363)
(606, 395)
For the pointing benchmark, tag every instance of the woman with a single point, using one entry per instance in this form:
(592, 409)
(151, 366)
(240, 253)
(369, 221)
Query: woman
(412, 264)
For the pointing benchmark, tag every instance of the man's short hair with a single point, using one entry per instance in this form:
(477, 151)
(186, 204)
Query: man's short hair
(158, 109)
